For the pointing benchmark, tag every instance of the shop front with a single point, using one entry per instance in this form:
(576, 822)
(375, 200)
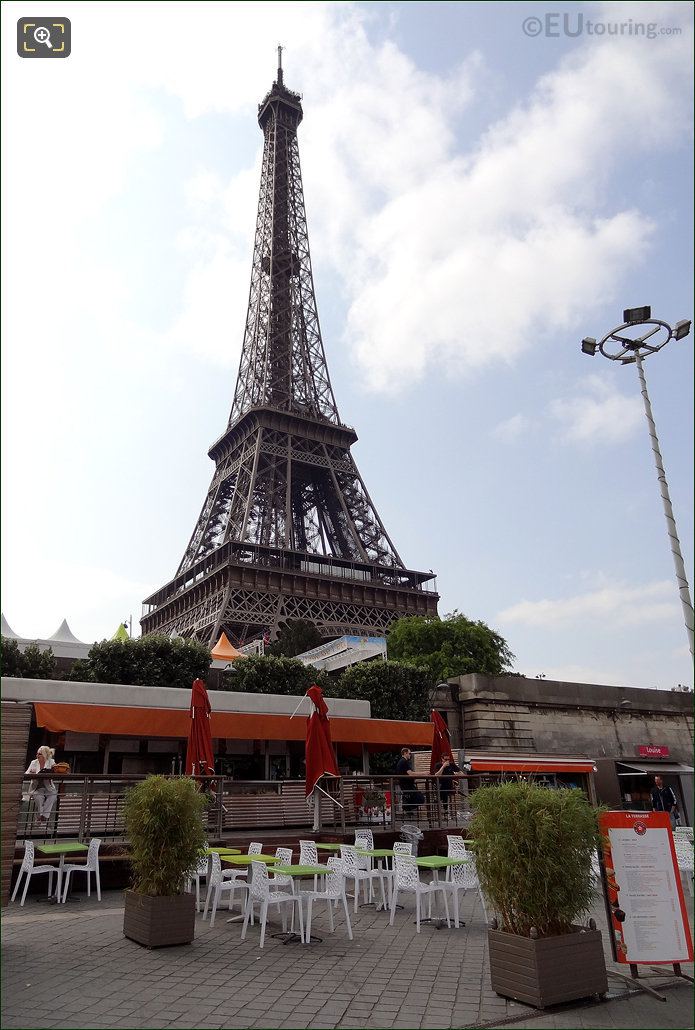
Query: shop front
(627, 783)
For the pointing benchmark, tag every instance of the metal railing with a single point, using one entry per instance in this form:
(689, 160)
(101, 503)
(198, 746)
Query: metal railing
(90, 805)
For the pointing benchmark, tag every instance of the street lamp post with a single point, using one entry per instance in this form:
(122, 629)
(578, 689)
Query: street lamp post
(637, 338)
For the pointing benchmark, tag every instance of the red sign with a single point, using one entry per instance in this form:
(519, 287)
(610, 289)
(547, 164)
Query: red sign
(653, 751)
(648, 918)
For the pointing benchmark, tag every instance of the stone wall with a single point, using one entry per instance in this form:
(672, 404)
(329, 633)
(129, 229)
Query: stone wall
(516, 714)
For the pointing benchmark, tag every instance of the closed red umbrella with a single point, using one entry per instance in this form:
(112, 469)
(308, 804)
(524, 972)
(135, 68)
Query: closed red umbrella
(200, 760)
(441, 743)
(320, 757)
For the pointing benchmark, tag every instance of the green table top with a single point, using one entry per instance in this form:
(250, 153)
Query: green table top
(247, 859)
(376, 852)
(300, 870)
(328, 847)
(68, 848)
(223, 851)
(438, 861)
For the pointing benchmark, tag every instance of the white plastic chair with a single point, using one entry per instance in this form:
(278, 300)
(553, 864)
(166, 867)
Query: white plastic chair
(407, 880)
(309, 855)
(334, 891)
(461, 878)
(220, 884)
(456, 846)
(354, 869)
(225, 874)
(364, 839)
(28, 869)
(402, 847)
(685, 832)
(261, 892)
(255, 848)
(201, 873)
(282, 879)
(684, 857)
(89, 867)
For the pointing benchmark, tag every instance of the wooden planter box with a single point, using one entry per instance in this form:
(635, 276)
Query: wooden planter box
(159, 922)
(548, 970)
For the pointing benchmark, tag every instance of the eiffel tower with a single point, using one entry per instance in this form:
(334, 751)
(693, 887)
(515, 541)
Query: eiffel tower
(287, 530)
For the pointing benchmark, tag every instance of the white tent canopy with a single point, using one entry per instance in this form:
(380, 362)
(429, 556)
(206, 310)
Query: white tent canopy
(7, 631)
(64, 635)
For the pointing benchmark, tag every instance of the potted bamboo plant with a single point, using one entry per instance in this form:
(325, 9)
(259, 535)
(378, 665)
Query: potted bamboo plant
(164, 824)
(533, 851)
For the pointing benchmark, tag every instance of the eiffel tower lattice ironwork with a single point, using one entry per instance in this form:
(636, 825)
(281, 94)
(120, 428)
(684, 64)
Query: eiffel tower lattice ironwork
(287, 530)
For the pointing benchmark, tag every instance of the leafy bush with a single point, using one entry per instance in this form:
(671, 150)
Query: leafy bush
(533, 850)
(164, 824)
(452, 646)
(32, 663)
(394, 690)
(264, 674)
(152, 661)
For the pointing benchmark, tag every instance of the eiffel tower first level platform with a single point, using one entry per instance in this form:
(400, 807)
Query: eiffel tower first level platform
(287, 529)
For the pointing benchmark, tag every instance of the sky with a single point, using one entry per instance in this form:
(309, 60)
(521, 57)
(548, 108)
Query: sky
(482, 190)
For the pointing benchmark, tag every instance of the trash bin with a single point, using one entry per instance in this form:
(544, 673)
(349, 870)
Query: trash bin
(412, 835)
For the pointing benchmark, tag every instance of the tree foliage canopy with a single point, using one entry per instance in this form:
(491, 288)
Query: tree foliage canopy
(32, 663)
(394, 690)
(452, 646)
(295, 637)
(266, 674)
(154, 661)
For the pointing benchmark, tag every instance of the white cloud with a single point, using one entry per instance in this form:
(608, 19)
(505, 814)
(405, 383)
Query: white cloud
(597, 414)
(512, 428)
(618, 605)
(449, 259)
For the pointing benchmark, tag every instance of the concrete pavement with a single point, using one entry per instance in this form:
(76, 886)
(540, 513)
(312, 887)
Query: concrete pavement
(71, 967)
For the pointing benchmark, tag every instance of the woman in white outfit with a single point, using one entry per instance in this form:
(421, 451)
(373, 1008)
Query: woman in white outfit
(42, 791)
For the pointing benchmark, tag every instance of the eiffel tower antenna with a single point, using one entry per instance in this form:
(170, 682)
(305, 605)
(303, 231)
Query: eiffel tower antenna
(287, 529)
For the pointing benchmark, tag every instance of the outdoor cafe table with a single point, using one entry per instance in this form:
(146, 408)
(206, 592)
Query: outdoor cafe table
(299, 871)
(332, 846)
(247, 859)
(65, 848)
(437, 862)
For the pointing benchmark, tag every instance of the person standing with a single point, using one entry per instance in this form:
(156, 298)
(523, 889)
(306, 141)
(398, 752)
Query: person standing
(664, 800)
(43, 791)
(412, 797)
(447, 772)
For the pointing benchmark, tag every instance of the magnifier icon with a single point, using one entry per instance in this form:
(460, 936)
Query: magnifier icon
(42, 35)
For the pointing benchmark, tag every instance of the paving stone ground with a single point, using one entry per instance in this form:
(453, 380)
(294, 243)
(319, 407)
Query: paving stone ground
(71, 967)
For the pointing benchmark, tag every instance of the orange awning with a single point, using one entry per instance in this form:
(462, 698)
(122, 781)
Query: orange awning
(527, 765)
(121, 721)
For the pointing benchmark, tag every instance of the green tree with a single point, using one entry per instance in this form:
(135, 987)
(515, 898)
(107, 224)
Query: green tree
(153, 661)
(452, 646)
(32, 663)
(295, 637)
(265, 674)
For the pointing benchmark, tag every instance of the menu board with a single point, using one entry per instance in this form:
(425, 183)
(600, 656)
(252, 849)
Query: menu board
(648, 918)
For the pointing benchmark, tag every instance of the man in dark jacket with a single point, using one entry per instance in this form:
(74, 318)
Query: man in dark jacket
(664, 800)
(412, 797)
